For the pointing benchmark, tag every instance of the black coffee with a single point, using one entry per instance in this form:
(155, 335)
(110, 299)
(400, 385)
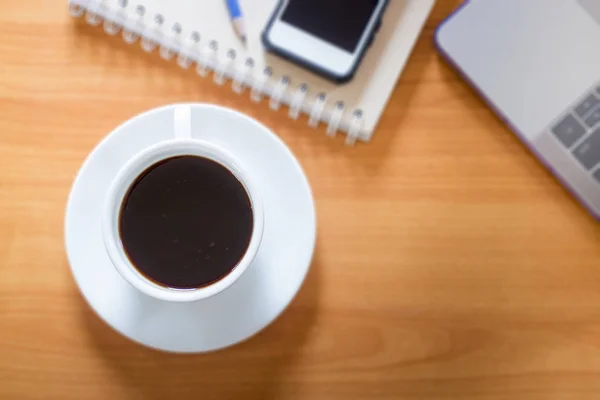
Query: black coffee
(186, 222)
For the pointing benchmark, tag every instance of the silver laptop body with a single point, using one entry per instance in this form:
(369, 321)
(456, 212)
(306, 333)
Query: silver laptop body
(537, 63)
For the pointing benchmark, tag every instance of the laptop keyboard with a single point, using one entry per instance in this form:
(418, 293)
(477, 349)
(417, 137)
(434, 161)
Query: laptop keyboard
(579, 131)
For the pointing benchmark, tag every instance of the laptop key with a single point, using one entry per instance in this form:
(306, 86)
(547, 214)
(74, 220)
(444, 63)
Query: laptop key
(593, 119)
(588, 152)
(569, 130)
(597, 175)
(587, 105)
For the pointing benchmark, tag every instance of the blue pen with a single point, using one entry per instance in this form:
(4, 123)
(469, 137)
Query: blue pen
(237, 19)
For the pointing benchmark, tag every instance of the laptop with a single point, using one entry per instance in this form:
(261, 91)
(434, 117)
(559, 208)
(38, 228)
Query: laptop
(537, 63)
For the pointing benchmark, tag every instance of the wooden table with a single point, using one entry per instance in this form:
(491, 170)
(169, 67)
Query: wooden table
(449, 264)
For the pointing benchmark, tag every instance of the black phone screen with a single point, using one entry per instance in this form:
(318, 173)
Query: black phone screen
(339, 22)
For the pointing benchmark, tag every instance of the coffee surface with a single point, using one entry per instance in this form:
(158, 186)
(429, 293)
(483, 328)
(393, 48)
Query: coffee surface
(186, 222)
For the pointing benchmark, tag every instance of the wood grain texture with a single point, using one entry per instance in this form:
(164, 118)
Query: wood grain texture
(449, 264)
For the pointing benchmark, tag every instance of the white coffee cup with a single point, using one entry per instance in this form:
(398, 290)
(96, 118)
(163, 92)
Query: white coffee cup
(182, 144)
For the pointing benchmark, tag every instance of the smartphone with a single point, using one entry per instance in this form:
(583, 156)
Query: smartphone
(329, 37)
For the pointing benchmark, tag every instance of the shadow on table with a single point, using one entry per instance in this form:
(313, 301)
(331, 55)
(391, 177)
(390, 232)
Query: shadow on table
(252, 369)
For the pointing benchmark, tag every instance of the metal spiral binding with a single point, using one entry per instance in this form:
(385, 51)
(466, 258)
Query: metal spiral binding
(278, 92)
(210, 58)
(356, 125)
(190, 45)
(202, 68)
(189, 51)
(258, 86)
(298, 100)
(336, 118)
(75, 10)
(223, 66)
(110, 28)
(148, 44)
(241, 76)
(128, 33)
(317, 110)
(174, 39)
(91, 15)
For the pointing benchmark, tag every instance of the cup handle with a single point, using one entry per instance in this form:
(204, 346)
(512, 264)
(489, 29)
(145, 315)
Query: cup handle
(182, 121)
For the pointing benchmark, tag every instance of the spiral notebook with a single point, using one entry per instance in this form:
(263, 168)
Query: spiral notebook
(198, 33)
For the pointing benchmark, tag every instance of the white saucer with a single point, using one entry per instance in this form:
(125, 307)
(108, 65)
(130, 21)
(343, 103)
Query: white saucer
(252, 302)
